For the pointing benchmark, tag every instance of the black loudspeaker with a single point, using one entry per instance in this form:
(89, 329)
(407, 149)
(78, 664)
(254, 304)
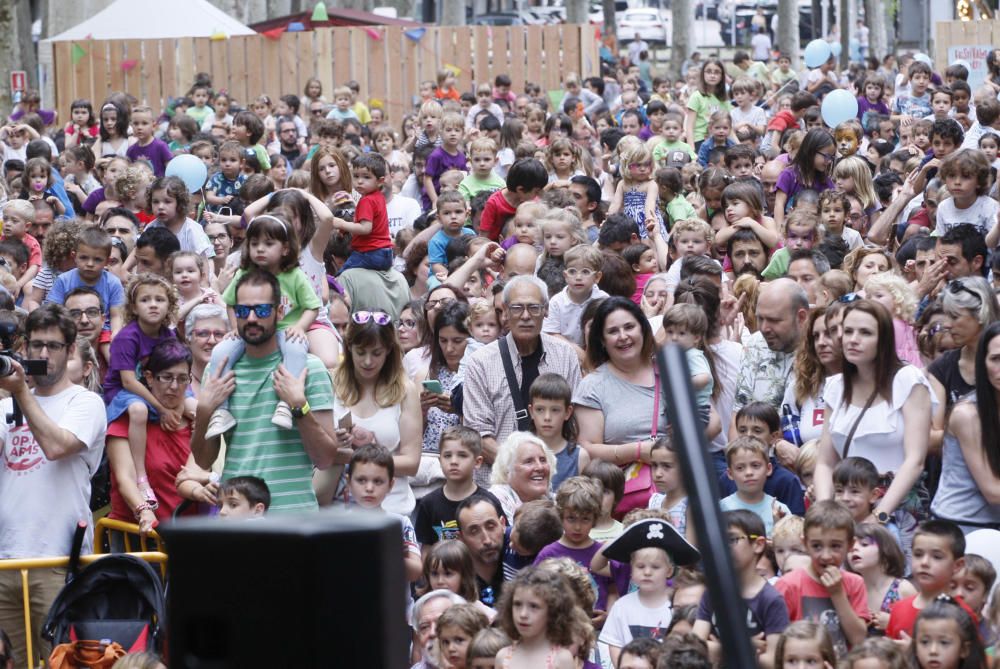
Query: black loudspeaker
(320, 590)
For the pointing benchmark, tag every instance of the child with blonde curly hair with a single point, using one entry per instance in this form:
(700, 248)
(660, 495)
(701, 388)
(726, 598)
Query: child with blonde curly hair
(895, 294)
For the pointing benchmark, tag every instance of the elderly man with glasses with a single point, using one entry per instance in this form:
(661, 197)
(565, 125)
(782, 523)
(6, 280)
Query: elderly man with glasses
(499, 375)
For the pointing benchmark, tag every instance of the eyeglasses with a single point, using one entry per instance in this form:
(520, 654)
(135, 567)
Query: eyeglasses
(828, 156)
(215, 238)
(737, 539)
(434, 304)
(93, 313)
(938, 328)
(288, 130)
(171, 379)
(850, 297)
(260, 310)
(36, 346)
(854, 216)
(585, 273)
(362, 317)
(957, 287)
(406, 323)
(316, 112)
(518, 309)
(208, 334)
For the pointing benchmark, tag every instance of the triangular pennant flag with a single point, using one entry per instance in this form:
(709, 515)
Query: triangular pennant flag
(296, 27)
(273, 33)
(218, 35)
(78, 53)
(416, 34)
(556, 97)
(319, 13)
(373, 33)
(129, 64)
(376, 103)
(456, 71)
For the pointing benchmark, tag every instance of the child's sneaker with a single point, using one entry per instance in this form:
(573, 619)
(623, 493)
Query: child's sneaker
(282, 416)
(220, 422)
(147, 492)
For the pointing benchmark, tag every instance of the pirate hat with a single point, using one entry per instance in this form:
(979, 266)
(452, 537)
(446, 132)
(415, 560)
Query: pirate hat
(652, 533)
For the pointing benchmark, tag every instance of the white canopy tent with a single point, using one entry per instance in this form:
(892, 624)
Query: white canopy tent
(155, 19)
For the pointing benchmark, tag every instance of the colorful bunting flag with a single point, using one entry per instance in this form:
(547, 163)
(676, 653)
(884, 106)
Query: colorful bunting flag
(416, 34)
(455, 71)
(273, 33)
(319, 14)
(296, 27)
(218, 36)
(373, 33)
(129, 64)
(78, 53)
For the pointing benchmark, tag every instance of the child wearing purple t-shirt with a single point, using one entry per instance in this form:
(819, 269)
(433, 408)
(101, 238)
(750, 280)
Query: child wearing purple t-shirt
(578, 501)
(146, 146)
(810, 169)
(446, 157)
(871, 103)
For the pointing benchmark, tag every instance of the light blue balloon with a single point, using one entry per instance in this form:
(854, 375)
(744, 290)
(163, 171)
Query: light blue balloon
(836, 49)
(817, 52)
(188, 169)
(839, 106)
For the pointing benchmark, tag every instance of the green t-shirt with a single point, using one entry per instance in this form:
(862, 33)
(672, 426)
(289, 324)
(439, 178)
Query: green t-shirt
(703, 107)
(778, 266)
(297, 295)
(665, 148)
(472, 186)
(262, 157)
(256, 447)
(199, 115)
(679, 209)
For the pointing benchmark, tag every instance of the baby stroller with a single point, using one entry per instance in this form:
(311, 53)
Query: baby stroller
(117, 598)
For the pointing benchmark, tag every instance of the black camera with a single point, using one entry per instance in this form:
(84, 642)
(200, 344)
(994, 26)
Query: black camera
(8, 331)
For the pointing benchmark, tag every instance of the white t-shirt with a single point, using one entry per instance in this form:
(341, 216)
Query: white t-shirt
(42, 500)
(192, 238)
(761, 44)
(402, 211)
(629, 619)
(982, 214)
(754, 117)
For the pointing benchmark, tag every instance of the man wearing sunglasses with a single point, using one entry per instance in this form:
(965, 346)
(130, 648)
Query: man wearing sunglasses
(283, 458)
(45, 469)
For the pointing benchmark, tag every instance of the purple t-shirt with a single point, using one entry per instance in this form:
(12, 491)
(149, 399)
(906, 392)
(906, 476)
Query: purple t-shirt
(130, 348)
(95, 198)
(788, 183)
(156, 152)
(440, 161)
(581, 556)
(866, 110)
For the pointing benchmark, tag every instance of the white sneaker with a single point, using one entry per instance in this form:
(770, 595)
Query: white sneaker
(220, 422)
(282, 416)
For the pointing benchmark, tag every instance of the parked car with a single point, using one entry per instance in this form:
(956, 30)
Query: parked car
(596, 13)
(498, 19)
(648, 22)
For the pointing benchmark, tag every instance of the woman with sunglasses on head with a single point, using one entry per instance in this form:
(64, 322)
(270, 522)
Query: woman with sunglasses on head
(382, 406)
(879, 408)
(969, 308)
(969, 492)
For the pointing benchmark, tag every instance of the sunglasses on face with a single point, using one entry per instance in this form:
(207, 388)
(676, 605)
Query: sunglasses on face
(260, 310)
(362, 317)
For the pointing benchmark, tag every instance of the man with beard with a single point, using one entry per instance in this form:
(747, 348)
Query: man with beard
(746, 253)
(482, 527)
(87, 311)
(284, 459)
(288, 143)
(768, 354)
(45, 469)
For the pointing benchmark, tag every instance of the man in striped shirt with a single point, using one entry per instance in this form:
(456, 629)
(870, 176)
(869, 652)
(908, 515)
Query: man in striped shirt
(255, 447)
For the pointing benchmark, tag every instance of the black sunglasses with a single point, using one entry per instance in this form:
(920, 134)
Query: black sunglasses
(957, 287)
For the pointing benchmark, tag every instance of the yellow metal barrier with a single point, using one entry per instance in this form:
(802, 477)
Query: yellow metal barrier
(26, 564)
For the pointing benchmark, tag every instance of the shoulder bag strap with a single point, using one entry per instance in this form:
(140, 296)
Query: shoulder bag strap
(854, 428)
(520, 412)
(654, 430)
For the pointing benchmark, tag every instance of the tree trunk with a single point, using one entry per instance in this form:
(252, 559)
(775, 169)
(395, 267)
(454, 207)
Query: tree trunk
(452, 13)
(17, 53)
(576, 11)
(610, 24)
(875, 19)
(845, 34)
(682, 34)
(788, 30)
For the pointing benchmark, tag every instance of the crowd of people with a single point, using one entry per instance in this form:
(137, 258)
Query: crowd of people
(451, 318)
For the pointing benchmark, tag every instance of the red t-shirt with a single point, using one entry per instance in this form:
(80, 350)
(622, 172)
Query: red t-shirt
(903, 615)
(496, 213)
(34, 249)
(371, 207)
(807, 599)
(166, 453)
(783, 120)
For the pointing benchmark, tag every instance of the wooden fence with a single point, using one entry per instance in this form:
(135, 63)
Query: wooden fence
(970, 41)
(388, 61)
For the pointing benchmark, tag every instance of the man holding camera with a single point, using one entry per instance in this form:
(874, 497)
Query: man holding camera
(45, 469)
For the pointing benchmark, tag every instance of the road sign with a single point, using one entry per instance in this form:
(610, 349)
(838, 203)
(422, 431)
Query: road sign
(18, 81)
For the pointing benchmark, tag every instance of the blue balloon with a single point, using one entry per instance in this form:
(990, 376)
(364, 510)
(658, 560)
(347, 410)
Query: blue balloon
(835, 49)
(839, 106)
(190, 170)
(817, 52)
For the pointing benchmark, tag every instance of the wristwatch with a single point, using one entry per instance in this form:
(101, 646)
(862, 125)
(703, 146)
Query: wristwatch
(299, 412)
(882, 517)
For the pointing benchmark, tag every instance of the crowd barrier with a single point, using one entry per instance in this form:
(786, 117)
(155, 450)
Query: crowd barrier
(102, 531)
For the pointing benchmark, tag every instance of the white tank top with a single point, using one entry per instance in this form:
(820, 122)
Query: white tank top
(316, 271)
